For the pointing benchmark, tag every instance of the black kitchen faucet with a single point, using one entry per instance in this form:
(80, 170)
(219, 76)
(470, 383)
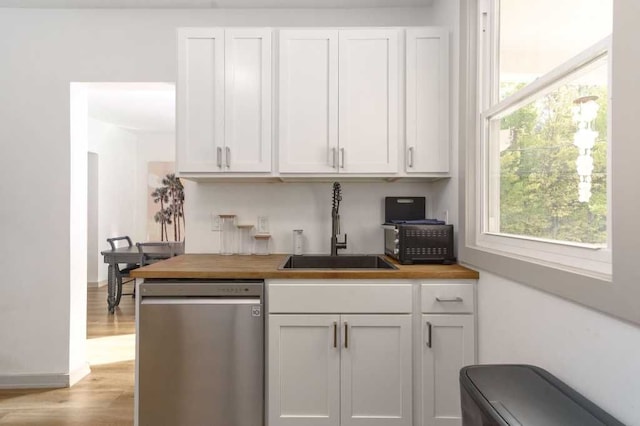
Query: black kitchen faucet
(335, 221)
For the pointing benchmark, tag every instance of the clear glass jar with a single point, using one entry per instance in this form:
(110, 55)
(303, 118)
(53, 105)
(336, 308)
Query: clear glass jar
(262, 244)
(245, 239)
(228, 230)
(297, 242)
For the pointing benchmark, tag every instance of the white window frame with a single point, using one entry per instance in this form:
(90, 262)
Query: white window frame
(584, 259)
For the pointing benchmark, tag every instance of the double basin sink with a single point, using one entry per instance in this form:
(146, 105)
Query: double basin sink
(337, 262)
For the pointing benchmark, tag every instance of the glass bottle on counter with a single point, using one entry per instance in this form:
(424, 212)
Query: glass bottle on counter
(262, 244)
(228, 230)
(246, 239)
(297, 242)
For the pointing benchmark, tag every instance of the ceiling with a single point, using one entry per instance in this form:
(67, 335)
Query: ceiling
(210, 4)
(148, 107)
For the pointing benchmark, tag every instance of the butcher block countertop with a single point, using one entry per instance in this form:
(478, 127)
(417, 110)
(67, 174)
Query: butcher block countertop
(210, 266)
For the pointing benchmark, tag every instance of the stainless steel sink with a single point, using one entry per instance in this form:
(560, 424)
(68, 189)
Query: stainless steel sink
(337, 262)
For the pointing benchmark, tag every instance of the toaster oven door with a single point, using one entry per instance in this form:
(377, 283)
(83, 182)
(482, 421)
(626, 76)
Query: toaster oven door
(391, 241)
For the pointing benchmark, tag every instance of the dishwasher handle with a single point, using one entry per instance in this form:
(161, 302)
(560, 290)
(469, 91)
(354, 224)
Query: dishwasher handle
(199, 301)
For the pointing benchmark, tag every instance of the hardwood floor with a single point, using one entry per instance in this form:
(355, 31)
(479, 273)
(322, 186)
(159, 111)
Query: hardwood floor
(104, 397)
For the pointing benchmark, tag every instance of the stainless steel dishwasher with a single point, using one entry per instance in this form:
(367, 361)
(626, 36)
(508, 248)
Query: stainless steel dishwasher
(200, 353)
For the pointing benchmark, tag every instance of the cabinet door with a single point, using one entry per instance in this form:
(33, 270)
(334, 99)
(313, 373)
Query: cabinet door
(448, 344)
(303, 370)
(247, 100)
(308, 114)
(200, 100)
(368, 101)
(427, 108)
(376, 370)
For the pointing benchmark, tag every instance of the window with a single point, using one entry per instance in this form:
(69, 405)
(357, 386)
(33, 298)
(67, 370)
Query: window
(543, 169)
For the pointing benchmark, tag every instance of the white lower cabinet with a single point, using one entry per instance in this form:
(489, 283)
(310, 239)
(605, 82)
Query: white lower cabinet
(303, 370)
(375, 370)
(448, 346)
(447, 340)
(368, 353)
(345, 370)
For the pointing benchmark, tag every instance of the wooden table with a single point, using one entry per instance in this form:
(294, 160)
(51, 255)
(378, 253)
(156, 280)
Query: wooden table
(132, 256)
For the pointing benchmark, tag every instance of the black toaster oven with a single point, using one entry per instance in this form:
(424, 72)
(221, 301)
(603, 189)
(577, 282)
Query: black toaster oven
(419, 243)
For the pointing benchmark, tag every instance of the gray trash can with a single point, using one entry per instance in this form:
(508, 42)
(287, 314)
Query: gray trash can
(514, 395)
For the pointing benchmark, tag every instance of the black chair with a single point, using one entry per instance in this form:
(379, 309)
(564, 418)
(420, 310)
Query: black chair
(123, 273)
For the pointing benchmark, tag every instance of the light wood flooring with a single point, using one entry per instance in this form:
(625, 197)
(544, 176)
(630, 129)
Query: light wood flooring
(104, 397)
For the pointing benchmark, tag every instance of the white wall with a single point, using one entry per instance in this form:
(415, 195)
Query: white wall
(93, 223)
(447, 13)
(596, 354)
(76, 295)
(117, 192)
(290, 206)
(43, 51)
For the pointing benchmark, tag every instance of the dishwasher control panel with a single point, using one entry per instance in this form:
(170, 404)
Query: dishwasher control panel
(201, 288)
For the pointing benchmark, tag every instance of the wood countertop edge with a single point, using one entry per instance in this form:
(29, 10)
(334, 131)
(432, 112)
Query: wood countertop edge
(324, 274)
(209, 266)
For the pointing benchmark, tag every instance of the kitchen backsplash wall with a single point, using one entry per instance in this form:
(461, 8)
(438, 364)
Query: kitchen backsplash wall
(292, 206)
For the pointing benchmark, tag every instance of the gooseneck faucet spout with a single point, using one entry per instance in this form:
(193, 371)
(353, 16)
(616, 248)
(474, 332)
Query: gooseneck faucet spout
(335, 221)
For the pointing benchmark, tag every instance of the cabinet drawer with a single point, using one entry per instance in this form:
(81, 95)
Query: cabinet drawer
(339, 298)
(447, 298)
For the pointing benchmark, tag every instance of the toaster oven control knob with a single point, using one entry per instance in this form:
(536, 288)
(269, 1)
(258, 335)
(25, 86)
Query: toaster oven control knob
(396, 251)
(396, 241)
(396, 231)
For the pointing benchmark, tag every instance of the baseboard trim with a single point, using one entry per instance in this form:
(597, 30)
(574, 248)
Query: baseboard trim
(33, 381)
(78, 374)
(96, 284)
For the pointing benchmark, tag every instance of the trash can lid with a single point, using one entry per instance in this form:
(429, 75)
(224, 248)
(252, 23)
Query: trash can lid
(530, 396)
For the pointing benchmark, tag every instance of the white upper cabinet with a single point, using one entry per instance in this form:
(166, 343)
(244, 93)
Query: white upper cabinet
(368, 101)
(224, 100)
(200, 99)
(346, 100)
(427, 100)
(248, 100)
(308, 85)
(338, 101)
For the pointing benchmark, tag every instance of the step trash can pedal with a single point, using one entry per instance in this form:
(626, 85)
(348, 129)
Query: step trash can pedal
(524, 395)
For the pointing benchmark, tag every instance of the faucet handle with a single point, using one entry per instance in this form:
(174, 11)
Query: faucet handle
(342, 244)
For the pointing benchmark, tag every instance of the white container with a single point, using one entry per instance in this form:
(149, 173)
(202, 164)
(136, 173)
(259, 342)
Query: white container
(262, 244)
(228, 230)
(245, 239)
(298, 241)
(263, 225)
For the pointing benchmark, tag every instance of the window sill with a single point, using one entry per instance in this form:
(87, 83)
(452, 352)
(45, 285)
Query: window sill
(589, 262)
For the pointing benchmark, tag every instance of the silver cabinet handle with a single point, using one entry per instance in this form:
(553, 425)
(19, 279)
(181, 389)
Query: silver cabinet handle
(449, 299)
(227, 151)
(342, 163)
(335, 334)
(219, 157)
(411, 156)
(334, 161)
(428, 334)
(346, 335)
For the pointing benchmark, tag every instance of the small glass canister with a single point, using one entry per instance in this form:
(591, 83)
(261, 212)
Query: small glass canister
(246, 239)
(297, 242)
(262, 244)
(228, 230)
